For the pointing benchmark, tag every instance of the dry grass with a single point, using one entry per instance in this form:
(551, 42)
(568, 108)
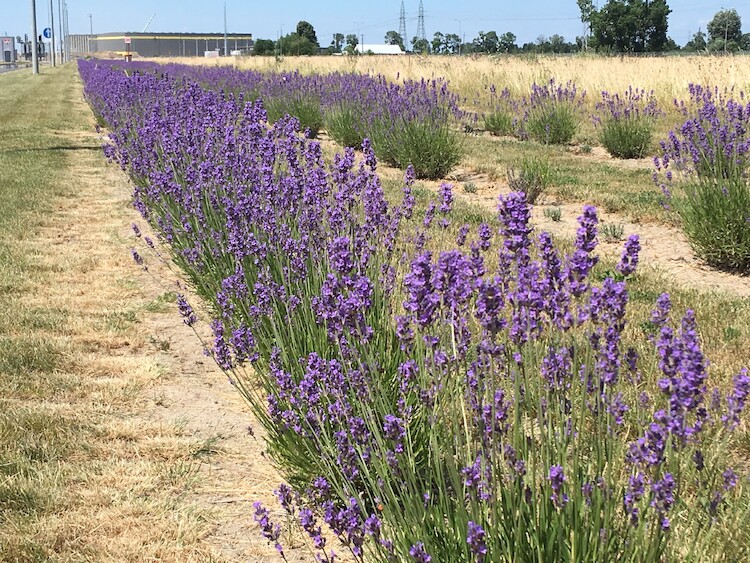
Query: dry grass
(668, 76)
(118, 440)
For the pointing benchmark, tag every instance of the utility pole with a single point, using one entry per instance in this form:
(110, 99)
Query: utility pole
(65, 30)
(226, 43)
(60, 27)
(52, 27)
(34, 45)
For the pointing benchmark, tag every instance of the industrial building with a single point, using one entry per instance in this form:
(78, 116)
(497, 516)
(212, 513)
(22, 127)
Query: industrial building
(169, 44)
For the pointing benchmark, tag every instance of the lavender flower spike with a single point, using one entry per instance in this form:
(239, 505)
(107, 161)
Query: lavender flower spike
(629, 259)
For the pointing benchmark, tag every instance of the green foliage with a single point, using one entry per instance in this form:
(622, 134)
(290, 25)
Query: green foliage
(394, 38)
(344, 125)
(613, 232)
(432, 148)
(553, 123)
(470, 187)
(634, 26)
(499, 123)
(295, 44)
(716, 221)
(306, 30)
(726, 25)
(531, 177)
(264, 47)
(626, 138)
(553, 213)
(306, 110)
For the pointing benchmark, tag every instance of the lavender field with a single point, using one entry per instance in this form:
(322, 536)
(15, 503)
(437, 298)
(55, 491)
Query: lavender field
(435, 388)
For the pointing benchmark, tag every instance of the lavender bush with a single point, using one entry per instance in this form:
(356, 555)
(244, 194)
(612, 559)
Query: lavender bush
(503, 117)
(479, 403)
(626, 122)
(552, 113)
(709, 153)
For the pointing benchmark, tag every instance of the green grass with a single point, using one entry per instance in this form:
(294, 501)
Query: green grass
(622, 189)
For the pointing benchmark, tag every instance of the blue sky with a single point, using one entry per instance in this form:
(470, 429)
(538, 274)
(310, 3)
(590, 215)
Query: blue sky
(266, 19)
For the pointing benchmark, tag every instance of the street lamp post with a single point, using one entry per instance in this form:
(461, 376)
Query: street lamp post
(460, 36)
(362, 38)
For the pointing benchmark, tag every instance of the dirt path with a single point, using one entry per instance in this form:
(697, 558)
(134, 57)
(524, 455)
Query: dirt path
(181, 437)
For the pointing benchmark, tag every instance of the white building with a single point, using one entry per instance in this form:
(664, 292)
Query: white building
(377, 49)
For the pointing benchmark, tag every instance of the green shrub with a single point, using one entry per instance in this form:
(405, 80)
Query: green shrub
(626, 138)
(431, 147)
(716, 221)
(532, 177)
(553, 213)
(613, 232)
(344, 125)
(307, 111)
(553, 123)
(499, 123)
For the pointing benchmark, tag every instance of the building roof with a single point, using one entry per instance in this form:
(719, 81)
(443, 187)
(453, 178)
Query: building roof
(378, 49)
(169, 35)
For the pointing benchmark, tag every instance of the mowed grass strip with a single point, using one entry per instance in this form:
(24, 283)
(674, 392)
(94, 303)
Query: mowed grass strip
(82, 478)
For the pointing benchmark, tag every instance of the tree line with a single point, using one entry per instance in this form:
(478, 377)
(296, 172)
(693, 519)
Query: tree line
(619, 26)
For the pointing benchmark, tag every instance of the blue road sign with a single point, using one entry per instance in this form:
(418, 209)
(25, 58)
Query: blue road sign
(47, 33)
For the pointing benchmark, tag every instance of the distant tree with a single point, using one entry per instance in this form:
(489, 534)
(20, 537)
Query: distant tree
(452, 43)
(337, 42)
(352, 40)
(420, 45)
(629, 25)
(559, 45)
(438, 43)
(587, 10)
(306, 30)
(394, 38)
(264, 47)
(506, 43)
(295, 44)
(486, 42)
(697, 43)
(725, 31)
(671, 45)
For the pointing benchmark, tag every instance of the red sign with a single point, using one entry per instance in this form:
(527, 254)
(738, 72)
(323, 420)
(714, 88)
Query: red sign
(6, 40)
(128, 40)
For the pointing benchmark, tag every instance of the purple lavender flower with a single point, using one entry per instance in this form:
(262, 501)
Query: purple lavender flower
(556, 479)
(514, 213)
(268, 529)
(476, 541)
(186, 311)
(418, 553)
(629, 259)
(634, 493)
(736, 401)
(662, 492)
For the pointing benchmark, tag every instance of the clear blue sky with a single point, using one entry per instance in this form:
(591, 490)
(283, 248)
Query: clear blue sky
(266, 18)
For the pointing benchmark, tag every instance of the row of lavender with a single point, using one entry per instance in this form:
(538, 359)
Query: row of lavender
(477, 403)
(410, 123)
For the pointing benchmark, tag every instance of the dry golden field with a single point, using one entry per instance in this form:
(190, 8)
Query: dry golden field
(468, 76)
